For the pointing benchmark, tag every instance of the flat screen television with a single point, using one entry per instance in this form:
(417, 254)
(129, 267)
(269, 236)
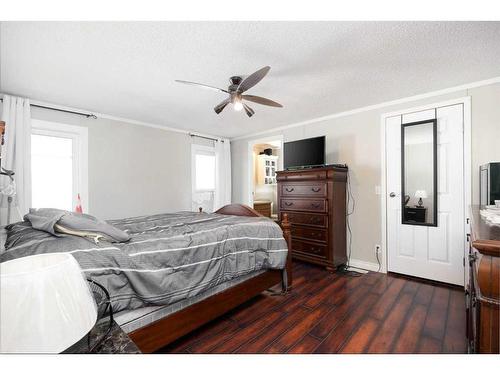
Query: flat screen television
(304, 153)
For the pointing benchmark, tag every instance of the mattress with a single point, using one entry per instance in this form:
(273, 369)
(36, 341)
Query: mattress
(131, 320)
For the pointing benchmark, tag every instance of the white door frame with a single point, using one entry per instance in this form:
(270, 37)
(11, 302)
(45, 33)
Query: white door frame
(466, 102)
(250, 166)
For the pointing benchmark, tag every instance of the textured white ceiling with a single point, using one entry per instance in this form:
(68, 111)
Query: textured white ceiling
(127, 69)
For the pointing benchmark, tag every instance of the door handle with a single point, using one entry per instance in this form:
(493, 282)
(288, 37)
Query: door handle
(392, 195)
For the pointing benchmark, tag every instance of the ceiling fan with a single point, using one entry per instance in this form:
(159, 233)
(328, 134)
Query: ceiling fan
(238, 85)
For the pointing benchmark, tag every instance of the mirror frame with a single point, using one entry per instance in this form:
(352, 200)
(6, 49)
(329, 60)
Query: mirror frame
(435, 185)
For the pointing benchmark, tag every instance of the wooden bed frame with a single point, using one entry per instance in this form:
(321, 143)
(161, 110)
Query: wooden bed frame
(164, 331)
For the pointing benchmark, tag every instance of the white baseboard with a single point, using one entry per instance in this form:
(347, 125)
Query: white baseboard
(356, 263)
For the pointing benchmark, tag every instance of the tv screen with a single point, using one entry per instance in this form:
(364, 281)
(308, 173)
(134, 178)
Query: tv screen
(304, 153)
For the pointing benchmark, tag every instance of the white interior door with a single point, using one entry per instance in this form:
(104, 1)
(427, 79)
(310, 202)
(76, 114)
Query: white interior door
(431, 252)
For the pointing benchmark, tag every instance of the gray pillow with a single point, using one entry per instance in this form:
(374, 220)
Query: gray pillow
(56, 221)
(3, 238)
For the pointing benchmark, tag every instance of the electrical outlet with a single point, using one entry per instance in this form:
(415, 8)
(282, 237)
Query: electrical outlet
(377, 249)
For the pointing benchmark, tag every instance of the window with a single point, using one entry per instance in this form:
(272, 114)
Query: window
(51, 172)
(58, 165)
(203, 168)
(205, 172)
(203, 177)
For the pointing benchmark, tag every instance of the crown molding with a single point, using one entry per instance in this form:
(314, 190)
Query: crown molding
(408, 99)
(117, 118)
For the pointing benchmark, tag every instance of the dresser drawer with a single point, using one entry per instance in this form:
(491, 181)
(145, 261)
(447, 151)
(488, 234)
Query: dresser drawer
(311, 190)
(309, 233)
(313, 205)
(310, 174)
(309, 248)
(308, 219)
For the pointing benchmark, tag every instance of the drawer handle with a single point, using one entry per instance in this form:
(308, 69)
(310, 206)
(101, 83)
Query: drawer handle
(315, 205)
(315, 220)
(289, 189)
(316, 190)
(288, 204)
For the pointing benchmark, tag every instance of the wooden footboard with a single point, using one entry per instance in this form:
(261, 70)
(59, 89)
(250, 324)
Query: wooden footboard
(164, 331)
(244, 210)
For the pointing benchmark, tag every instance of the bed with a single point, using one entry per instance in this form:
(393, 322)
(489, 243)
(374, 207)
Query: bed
(177, 271)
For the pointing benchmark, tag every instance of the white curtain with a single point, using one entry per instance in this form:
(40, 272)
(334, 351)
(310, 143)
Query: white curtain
(16, 153)
(222, 173)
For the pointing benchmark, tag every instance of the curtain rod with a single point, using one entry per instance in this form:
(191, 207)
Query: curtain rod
(202, 136)
(87, 115)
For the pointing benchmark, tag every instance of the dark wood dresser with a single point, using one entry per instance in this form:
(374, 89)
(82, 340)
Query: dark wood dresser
(315, 201)
(483, 287)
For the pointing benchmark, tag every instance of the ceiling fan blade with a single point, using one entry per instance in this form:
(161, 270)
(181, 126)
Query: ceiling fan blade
(250, 112)
(202, 85)
(219, 107)
(261, 100)
(253, 79)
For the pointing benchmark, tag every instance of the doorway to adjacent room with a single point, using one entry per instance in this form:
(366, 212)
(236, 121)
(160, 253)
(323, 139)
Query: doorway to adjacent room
(265, 158)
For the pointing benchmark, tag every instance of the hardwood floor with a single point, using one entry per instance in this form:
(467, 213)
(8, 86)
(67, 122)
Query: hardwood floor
(336, 313)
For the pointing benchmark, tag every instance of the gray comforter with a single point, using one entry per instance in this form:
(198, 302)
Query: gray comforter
(169, 257)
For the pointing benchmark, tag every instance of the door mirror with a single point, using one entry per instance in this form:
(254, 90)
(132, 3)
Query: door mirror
(419, 173)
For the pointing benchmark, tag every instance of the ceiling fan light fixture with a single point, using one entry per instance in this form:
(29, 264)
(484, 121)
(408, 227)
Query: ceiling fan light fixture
(239, 85)
(238, 106)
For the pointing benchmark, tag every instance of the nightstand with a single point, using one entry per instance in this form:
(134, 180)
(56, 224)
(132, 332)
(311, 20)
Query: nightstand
(415, 214)
(263, 207)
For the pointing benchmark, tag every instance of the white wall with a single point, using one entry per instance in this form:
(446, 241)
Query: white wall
(485, 131)
(355, 140)
(133, 170)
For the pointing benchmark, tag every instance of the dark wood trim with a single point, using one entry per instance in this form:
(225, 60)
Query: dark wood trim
(487, 247)
(287, 234)
(164, 331)
(238, 210)
(485, 238)
(167, 330)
